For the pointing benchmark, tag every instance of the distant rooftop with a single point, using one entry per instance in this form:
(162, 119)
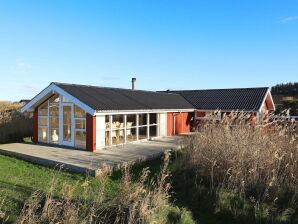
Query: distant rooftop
(243, 99)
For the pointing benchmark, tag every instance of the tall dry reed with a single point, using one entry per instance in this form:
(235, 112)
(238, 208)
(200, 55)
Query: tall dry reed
(14, 125)
(257, 165)
(141, 201)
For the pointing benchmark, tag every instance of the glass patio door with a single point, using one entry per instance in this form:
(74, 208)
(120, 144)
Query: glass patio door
(68, 131)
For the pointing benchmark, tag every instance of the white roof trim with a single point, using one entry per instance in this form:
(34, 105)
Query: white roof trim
(268, 93)
(143, 111)
(55, 89)
(240, 111)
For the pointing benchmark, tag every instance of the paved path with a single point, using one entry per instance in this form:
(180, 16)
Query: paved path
(83, 161)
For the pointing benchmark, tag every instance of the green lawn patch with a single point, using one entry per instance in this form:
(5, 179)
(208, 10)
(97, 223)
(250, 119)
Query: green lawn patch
(19, 179)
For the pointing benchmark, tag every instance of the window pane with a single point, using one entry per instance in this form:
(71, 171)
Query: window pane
(54, 99)
(131, 120)
(142, 133)
(107, 138)
(131, 134)
(118, 121)
(54, 136)
(153, 119)
(79, 112)
(80, 139)
(107, 122)
(118, 137)
(142, 119)
(67, 123)
(65, 99)
(54, 122)
(43, 121)
(42, 134)
(54, 110)
(43, 109)
(80, 124)
(54, 105)
(153, 131)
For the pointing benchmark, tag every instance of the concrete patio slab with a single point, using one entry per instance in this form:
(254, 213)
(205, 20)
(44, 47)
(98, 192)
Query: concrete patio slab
(89, 162)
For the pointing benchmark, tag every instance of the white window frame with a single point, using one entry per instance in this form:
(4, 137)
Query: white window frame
(61, 137)
(79, 129)
(137, 126)
(49, 122)
(44, 126)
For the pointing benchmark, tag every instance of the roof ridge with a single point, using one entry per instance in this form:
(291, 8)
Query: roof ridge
(111, 88)
(187, 90)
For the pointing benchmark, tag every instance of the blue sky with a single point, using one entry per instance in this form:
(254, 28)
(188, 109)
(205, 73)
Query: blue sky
(164, 44)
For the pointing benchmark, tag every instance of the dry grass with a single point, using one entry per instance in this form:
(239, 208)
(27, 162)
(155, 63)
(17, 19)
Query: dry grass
(14, 126)
(249, 167)
(141, 201)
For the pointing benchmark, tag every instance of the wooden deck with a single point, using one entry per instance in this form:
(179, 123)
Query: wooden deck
(89, 162)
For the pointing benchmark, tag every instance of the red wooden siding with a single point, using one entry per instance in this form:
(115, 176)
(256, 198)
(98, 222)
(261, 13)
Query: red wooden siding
(182, 123)
(200, 114)
(170, 124)
(35, 125)
(253, 119)
(90, 132)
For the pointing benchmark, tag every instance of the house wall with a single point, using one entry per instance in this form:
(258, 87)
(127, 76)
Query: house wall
(100, 131)
(200, 114)
(163, 124)
(35, 125)
(178, 123)
(90, 132)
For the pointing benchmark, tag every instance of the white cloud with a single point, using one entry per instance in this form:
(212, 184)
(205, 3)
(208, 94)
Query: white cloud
(289, 19)
(23, 66)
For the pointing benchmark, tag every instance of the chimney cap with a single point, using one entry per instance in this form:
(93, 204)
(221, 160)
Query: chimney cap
(133, 79)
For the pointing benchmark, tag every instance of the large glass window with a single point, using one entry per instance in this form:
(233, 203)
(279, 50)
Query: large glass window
(153, 119)
(79, 112)
(54, 119)
(80, 127)
(48, 122)
(43, 121)
(131, 130)
(43, 111)
(67, 123)
(143, 126)
(143, 132)
(117, 130)
(42, 134)
(80, 139)
(107, 135)
(142, 119)
(130, 127)
(153, 125)
(153, 131)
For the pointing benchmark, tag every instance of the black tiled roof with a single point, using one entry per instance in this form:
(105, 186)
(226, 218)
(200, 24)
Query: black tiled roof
(242, 99)
(105, 98)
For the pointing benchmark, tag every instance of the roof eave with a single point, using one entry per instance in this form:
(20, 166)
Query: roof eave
(53, 88)
(100, 112)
